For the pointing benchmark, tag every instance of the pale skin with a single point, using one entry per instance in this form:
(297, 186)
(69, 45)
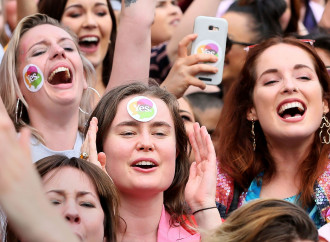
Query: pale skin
(201, 184)
(288, 140)
(22, 197)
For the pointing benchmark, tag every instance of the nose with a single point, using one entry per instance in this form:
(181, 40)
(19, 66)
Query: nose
(173, 8)
(71, 213)
(89, 21)
(289, 86)
(145, 143)
(57, 52)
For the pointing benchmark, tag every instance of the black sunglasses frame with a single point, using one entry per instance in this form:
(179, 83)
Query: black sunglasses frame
(231, 42)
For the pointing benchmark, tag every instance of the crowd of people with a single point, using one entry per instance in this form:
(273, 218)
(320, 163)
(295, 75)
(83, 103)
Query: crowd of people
(108, 135)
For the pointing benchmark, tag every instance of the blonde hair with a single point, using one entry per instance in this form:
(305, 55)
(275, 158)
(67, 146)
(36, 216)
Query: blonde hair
(265, 220)
(9, 87)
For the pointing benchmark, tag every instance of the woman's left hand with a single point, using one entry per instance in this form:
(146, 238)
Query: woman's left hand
(201, 187)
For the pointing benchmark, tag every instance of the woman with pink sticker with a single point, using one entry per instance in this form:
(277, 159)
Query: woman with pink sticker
(46, 80)
(143, 147)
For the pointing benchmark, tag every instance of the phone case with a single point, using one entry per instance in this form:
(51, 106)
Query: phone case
(212, 37)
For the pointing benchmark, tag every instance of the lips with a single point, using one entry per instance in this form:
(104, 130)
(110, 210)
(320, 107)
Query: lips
(60, 75)
(145, 163)
(291, 109)
(89, 44)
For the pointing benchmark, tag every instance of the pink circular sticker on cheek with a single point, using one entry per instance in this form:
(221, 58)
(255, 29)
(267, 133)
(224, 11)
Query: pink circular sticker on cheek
(33, 78)
(141, 108)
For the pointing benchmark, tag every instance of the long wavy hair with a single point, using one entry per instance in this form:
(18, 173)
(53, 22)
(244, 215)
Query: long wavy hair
(234, 145)
(105, 112)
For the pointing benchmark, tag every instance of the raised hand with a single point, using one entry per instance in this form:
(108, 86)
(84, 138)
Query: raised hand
(201, 186)
(184, 69)
(89, 146)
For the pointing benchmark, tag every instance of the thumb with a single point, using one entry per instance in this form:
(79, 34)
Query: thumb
(102, 158)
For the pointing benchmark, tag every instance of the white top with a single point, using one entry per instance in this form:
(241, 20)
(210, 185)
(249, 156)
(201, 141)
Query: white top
(39, 151)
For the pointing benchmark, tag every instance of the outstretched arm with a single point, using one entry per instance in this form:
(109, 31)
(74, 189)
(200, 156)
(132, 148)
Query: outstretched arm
(201, 186)
(25, 8)
(132, 52)
(21, 195)
(185, 27)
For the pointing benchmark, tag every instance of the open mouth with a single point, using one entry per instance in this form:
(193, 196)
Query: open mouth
(144, 164)
(88, 42)
(60, 75)
(291, 110)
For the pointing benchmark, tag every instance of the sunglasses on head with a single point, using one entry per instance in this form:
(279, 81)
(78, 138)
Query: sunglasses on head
(231, 42)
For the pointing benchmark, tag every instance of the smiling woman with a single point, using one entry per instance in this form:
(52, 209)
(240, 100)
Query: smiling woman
(46, 81)
(270, 134)
(94, 22)
(145, 143)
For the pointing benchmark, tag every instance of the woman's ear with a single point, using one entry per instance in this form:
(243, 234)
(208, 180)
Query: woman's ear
(325, 106)
(251, 114)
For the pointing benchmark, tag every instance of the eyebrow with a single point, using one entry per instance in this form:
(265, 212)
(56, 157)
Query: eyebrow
(80, 6)
(296, 67)
(45, 42)
(136, 124)
(62, 193)
(184, 111)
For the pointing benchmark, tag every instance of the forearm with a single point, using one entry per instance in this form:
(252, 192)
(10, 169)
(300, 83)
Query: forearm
(208, 219)
(196, 8)
(132, 52)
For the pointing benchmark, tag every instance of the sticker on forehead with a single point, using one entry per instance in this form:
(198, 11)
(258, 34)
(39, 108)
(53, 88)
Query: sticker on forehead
(141, 108)
(33, 78)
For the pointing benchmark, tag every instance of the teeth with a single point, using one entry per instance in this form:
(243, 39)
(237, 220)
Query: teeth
(60, 69)
(145, 163)
(291, 105)
(89, 39)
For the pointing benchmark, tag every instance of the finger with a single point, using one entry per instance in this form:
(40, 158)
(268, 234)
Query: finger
(183, 44)
(203, 134)
(102, 160)
(200, 58)
(194, 146)
(198, 68)
(199, 141)
(92, 141)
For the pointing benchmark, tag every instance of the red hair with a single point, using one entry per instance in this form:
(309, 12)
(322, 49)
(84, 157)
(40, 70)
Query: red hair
(233, 133)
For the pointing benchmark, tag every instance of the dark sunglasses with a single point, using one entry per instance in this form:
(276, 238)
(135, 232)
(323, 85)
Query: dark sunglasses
(230, 43)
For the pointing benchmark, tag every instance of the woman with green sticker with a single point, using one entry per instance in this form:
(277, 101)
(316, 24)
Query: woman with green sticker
(143, 147)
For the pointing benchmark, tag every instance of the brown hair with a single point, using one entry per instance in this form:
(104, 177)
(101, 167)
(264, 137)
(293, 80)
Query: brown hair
(234, 147)
(104, 186)
(106, 111)
(266, 220)
(55, 9)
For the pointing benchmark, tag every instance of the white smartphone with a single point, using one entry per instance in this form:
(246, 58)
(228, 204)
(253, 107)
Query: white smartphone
(212, 37)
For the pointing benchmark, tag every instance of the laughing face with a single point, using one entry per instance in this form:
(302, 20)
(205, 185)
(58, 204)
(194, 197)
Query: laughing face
(91, 21)
(141, 155)
(288, 97)
(54, 52)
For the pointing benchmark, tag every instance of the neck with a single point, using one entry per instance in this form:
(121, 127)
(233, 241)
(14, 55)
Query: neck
(99, 86)
(141, 216)
(287, 158)
(58, 128)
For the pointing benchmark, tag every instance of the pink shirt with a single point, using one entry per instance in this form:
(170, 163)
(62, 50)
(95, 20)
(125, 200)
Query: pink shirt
(168, 233)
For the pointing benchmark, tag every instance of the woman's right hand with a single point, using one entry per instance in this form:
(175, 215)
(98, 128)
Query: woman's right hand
(186, 67)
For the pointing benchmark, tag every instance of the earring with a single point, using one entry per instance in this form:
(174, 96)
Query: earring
(253, 136)
(326, 125)
(16, 111)
(97, 93)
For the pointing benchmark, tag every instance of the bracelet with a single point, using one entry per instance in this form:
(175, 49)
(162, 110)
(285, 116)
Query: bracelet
(203, 209)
